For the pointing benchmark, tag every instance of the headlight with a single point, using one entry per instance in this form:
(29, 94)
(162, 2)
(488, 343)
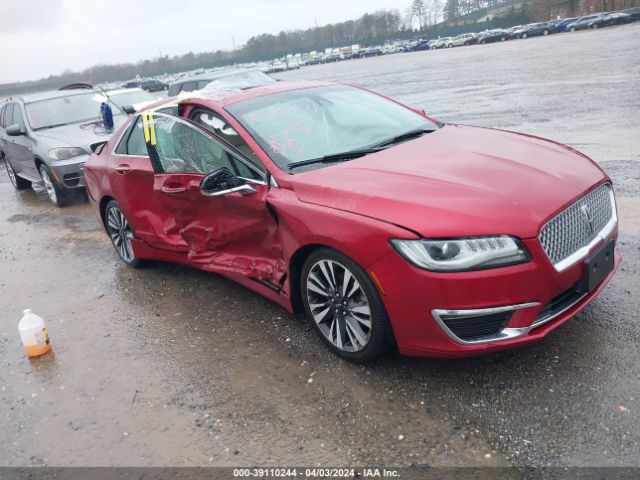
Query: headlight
(463, 253)
(65, 153)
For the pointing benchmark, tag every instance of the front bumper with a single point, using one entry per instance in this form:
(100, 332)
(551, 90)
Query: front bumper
(417, 301)
(69, 173)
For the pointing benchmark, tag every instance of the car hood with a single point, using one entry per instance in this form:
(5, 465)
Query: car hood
(74, 135)
(457, 181)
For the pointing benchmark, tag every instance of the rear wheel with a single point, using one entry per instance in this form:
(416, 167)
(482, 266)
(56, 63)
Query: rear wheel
(55, 192)
(120, 233)
(524, 35)
(545, 32)
(18, 183)
(345, 307)
(594, 26)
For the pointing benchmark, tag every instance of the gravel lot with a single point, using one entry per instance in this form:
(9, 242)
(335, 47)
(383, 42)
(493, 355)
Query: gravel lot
(172, 366)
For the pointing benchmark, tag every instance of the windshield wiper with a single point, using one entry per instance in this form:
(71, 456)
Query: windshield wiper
(411, 134)
(337, 157)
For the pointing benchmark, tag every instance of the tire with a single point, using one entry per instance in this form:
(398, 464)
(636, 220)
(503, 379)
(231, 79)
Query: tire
(450, 45)
(572, 29)
(18, 183)
(594, 26)
(545, 32)
(56, 194)
(502, 39)
(524, 35)
(482, 41)
(342, 325)
(120, 233)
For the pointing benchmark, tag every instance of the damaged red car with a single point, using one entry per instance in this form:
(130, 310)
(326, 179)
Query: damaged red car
(390, 229)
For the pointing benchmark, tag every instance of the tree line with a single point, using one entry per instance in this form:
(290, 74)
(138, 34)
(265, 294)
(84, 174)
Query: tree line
(420, 17)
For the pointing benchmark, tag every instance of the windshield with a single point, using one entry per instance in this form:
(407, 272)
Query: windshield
(300, 125)
(62, 111)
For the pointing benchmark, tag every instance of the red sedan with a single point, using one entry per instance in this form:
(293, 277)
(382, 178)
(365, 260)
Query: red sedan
(390, 229)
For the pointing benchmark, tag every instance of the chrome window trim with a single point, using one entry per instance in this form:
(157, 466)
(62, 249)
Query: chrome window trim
(582, 252)
(505, 334)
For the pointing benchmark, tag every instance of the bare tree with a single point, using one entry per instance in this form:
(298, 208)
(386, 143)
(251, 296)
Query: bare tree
(418, 9)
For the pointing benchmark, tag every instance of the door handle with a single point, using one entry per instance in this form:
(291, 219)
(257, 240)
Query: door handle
(172, 190)
(122, 169)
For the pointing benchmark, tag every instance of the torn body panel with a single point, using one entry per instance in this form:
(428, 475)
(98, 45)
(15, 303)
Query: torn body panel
(231, 234)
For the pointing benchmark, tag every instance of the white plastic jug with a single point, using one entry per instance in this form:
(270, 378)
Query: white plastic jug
(33, 333)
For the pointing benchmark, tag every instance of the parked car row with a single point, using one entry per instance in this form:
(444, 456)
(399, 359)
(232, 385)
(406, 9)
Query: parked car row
(604, 19)
(356, 51)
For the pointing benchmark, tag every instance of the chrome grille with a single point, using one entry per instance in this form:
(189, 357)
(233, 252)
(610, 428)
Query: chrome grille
(578, 225)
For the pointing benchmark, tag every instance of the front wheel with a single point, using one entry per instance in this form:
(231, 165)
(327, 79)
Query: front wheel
(54, 191)
(18, 183)
(120, 233)
(524, 35)
(545, 32)
(345, 307)
(572, 29)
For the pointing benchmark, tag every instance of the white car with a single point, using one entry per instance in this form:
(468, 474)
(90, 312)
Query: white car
(440, 43)
(464, 39)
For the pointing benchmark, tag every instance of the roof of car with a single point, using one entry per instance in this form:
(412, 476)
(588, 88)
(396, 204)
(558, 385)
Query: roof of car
(222, 98)
(118, 91)
(214, 75)
(36, 97)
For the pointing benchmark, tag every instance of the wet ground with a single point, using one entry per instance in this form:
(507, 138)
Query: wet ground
(171, 366)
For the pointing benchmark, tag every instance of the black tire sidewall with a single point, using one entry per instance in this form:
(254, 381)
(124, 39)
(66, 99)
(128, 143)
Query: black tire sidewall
(62, 199)
(136, 262)
(20, 183)
(382, 339)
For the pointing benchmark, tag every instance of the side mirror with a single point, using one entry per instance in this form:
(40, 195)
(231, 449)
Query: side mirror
(128, 109)
(223, 182)
(15, 130)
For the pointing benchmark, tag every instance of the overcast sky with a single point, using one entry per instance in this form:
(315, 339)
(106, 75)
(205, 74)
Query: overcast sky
(43, 37)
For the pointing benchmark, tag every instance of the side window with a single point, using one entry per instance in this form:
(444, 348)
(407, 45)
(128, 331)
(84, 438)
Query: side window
(132, 142)
(135, 143)
(8, 115)
(219, 127)
(177, 147)
(2, 125)
(17, 116)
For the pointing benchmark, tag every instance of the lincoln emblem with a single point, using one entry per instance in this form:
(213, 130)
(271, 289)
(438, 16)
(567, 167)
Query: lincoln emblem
(587, 216)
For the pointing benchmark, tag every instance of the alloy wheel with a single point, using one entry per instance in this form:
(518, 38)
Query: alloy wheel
(48, 184)
(121, 234)
(11, 173)
(339, 305)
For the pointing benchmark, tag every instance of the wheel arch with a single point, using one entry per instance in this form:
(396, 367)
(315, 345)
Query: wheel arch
(295, 271)
(102, 207)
